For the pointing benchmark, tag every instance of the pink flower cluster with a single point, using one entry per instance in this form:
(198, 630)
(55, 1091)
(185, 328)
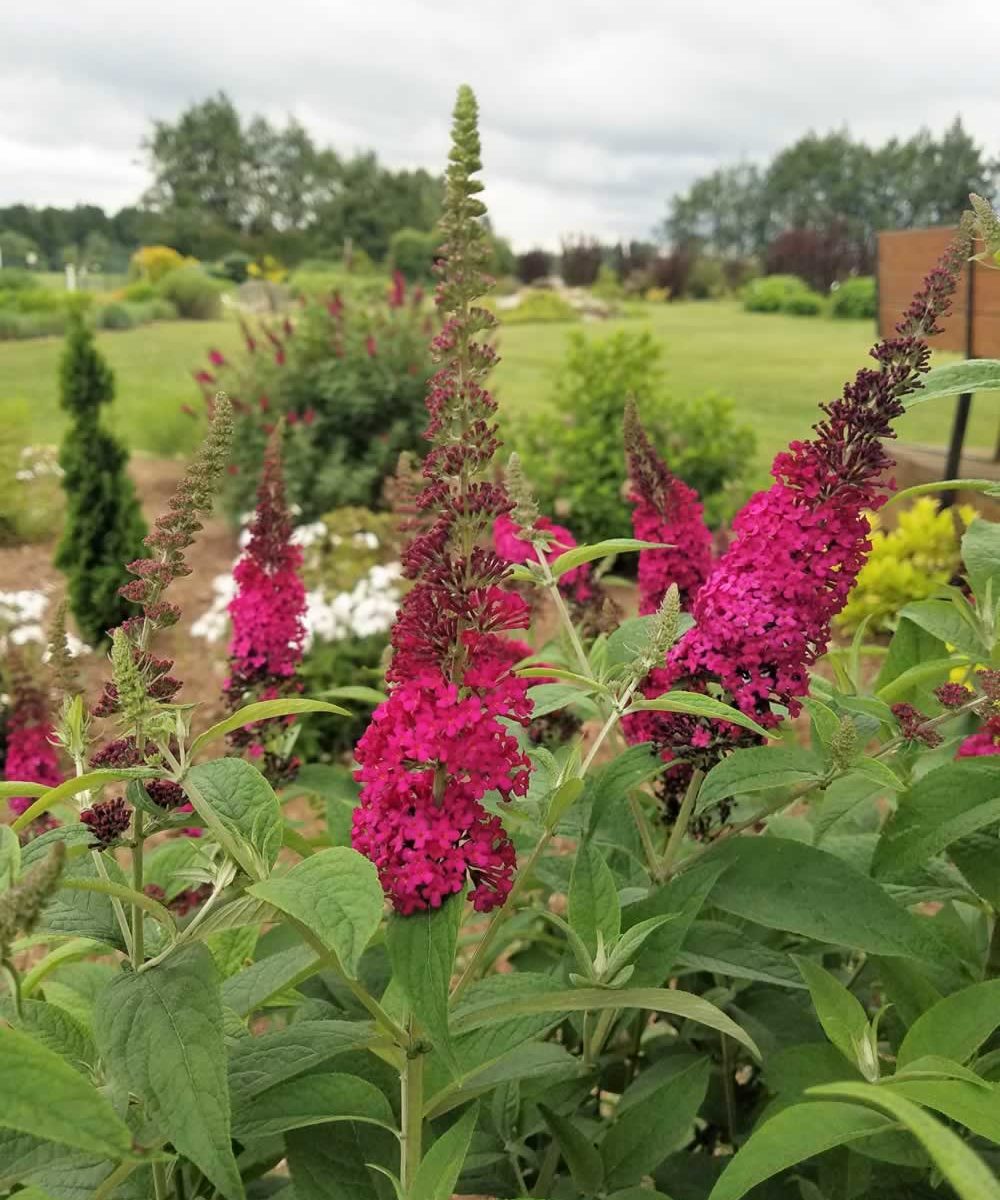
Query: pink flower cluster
(514, 547)
(268, 610)
(983, 742)
(763, 616)
(440, 743)
(665, 510)
(431, 754)
(31, 756)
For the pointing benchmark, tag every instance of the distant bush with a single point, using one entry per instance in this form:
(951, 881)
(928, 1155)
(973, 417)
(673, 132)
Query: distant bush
(349, 380)
(855, 298)
(580, 261)
(781, 293)
(235, 266)
(412, 253)
(706, 279)
(14, 279)
(15, 326)
(672, 271)
(818, 256)
(910, 562)
(540, 306)
(533, 264)
(195, 294)
(803, 304)
(573, 451)
(152, 263)
(139, 291)
(115, 316)
(607, 285)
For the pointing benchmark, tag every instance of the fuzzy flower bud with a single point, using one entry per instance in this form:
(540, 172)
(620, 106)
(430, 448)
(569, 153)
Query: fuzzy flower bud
(22, 903)
(525, 510)
(844, 744)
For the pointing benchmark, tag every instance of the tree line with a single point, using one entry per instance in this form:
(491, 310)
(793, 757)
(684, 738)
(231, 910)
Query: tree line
(223, 183)
(834, 187)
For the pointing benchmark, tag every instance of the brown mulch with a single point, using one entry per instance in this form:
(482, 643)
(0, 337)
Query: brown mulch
(198, 663)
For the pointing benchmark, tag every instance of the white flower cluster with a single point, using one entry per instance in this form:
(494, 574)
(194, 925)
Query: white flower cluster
(368, 608)
(37, 462)
(22, 616)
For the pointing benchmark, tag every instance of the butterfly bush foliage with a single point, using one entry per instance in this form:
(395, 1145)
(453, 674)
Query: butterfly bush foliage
(699, 902)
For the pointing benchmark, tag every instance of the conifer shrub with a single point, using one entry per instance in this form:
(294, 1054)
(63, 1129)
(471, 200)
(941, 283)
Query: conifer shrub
(104, 526)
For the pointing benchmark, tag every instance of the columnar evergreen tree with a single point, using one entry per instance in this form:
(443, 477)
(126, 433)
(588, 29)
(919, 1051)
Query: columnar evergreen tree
(104, 526)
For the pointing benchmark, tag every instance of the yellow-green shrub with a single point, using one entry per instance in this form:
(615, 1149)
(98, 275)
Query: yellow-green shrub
(907, 563)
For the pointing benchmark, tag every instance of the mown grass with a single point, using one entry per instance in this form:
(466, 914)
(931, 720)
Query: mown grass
(778, 368)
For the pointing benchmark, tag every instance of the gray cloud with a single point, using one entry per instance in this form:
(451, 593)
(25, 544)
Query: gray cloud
(593, 112)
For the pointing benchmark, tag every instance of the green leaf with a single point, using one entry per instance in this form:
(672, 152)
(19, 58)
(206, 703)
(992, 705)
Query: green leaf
(926, 674)
(841, 1014)
(956, 1026)
(269, 977)
(909, 647)
(50, 797)
(643, 1134)
(53, 1028)
(260, 1063)
(758, 769)
(700, 706)
(963, 1169)
(682, 898)
(44, 1096)
(593, 899)
(160, 1035)
(263, 710)
(946, 804)
(358, 692)
(583, 1160)
(933, 1066)
(582, 682)
(442, 1164)
(336, 894)
(83, 914)
(791, 1136)
(240, 809)
(876, 771)
(981, 556)
(541, 1060)
(333, 1161)
(943, 620)
(10, 857)
(313, 1100)
(787, 885)
(550, 697)
(954, 379)
(972, 1105)
(663, 1000)
(562, 800)
(422, 952)
(585, 554)
(723, 949)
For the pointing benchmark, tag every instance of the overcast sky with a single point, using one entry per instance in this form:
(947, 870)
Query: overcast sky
(593, 111)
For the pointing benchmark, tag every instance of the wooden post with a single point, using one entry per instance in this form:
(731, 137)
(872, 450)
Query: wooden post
(953, 461)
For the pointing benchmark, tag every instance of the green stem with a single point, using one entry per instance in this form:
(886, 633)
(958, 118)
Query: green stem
(138, 932)
(116, 903)
(160, 1181)
(727, 1087)
(645, 835)
(499, 916)
(9, 971)
(681, 824)
(412, 1114)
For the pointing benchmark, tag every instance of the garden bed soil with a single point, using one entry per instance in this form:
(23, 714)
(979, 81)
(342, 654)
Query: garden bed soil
(198, 665)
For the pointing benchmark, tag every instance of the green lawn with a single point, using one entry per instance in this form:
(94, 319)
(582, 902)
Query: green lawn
(778, 369)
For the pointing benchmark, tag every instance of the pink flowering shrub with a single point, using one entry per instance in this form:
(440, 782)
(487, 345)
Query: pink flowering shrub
(439, 744)
(781, 982)
(30, 753)
(348, 379)
(267, 614)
